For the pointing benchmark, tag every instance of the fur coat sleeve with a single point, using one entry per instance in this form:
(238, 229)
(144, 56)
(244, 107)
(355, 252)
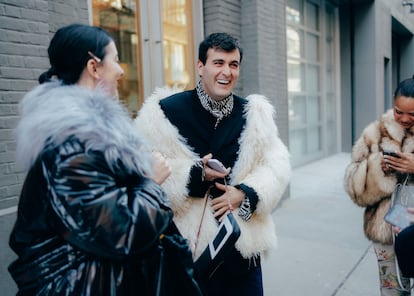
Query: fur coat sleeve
(365, 182)
(263, 164)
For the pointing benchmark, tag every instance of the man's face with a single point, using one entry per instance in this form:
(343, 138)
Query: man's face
(220, 73)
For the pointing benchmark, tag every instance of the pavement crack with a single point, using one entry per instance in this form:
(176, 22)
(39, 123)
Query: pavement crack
(351, 271)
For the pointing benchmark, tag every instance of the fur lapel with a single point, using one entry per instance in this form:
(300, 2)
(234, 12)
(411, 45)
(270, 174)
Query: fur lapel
(53, 112)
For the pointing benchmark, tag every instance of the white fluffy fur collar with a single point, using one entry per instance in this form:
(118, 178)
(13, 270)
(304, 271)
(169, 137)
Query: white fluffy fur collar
(53, 112)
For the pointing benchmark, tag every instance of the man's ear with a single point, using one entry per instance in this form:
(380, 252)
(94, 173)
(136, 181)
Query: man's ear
(92, 68)
(199, 67)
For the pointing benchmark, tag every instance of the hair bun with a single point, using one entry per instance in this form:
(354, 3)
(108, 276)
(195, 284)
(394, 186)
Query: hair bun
(46, 76)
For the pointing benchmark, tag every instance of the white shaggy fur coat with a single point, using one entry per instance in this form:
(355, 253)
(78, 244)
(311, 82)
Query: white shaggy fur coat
(366, 183)
(263, 164)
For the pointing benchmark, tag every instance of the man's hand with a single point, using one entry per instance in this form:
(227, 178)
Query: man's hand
(232, 198)
(210, 174)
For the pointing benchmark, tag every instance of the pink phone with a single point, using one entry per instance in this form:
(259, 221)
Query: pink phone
(216, 165)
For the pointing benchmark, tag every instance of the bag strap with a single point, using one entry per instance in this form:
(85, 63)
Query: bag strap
(398, 188)
(407, 176)
(206, 196)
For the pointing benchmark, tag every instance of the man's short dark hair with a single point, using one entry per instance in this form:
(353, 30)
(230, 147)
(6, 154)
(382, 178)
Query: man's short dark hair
(221, 41)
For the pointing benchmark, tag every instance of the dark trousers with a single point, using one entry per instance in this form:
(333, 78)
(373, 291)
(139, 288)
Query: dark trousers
(236, 276)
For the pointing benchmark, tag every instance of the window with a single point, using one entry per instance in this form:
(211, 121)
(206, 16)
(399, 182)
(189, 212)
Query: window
(119, 18)
(178, 43)
(155, 43)
(311, 53)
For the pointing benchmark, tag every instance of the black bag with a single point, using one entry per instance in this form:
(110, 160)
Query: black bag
(175, 273)
(214, 254)
(404, 250)
(401, 198)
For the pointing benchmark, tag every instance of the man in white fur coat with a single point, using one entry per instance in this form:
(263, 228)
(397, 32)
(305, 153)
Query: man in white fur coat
(190, 128)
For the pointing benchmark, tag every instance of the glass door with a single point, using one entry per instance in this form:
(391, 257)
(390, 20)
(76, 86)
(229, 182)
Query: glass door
(119, 18)
(155, 41)
(179, 64)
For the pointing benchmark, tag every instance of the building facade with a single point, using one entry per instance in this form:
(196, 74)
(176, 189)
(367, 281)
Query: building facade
(328, 66)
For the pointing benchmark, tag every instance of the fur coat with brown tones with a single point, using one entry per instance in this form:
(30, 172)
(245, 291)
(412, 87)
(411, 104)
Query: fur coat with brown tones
(263, 164)
(365, 181)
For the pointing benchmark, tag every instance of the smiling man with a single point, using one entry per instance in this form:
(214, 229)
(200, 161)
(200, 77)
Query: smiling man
(190, 128)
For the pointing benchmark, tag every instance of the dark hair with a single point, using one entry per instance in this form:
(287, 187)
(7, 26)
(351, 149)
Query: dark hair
(68, 51)
(405, 88)
(221, 41)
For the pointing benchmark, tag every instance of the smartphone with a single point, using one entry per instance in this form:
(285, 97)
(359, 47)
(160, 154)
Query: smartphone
(390, 152)
(216, 165)
(398, 216)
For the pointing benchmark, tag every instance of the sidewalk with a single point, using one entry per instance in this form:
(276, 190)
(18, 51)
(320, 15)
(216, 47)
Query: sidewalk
(322, 250)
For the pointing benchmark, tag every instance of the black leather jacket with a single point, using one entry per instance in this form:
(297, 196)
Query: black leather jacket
(83, 229)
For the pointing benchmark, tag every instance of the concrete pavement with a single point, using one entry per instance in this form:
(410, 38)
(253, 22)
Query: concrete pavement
(322, 250)
(7, 218)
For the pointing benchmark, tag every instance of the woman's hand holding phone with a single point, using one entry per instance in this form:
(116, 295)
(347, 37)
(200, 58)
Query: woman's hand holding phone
(386, 162)
(402, 162)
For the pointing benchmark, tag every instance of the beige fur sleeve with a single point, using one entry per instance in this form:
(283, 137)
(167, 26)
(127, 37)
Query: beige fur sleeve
(365, 182)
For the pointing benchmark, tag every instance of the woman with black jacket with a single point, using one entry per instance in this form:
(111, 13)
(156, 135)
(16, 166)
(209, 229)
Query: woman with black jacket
(92, 217)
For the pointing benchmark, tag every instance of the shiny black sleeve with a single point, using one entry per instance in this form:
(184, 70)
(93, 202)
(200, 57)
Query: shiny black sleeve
(102, 212)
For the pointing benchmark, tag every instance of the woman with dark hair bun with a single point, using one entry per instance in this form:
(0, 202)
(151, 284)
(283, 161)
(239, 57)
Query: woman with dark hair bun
(73, 47)
(92, 217)
(381, 158)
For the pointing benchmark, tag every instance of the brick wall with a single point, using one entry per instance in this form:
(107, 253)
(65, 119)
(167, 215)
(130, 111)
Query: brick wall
(63, 12)
(23, 39)
(25, 30)
(260, 26)
(224, 16)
